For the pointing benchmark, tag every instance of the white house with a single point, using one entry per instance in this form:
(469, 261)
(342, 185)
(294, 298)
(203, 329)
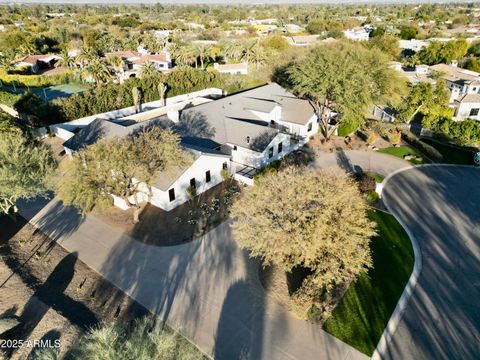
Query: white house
(240, 133)
(464, 86)
(37, 63)
(133, 61)
(357, 34)
(240, 68)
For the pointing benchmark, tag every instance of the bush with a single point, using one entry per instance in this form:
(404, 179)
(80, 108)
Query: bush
(371, 197)
(395, 137)
(372, 138)
(428, 150)
(347, 128)
(8, 98)
(37, 80)
(365, 182)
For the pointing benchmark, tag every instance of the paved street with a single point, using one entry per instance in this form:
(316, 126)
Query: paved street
(441, 207)
(207, 288)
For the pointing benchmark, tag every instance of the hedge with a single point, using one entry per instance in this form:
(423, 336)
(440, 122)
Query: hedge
(428, 150)
(8, 98)
(37, 80)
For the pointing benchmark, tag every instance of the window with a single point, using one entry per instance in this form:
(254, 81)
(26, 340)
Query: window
(193, 183)
(280, 147)
(309, 127)
(225, 166)
(171, 194)
(474, 112)
(207, 176)
(270, 152)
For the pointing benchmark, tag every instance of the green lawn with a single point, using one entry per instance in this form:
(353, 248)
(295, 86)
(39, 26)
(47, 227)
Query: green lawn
(452, 154)
(402, 151)
(378, 178)
(362, 314)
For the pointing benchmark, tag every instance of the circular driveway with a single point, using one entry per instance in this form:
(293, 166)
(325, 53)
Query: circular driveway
(440, 206)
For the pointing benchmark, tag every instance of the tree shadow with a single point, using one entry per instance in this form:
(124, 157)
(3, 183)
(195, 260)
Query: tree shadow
(50, 295)
(194, 124)
(50, 337)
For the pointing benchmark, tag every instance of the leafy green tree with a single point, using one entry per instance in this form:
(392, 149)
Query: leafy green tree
(437, 52)
(408, 32)
(204, 53)
(122, 167)
(298, 217)
(473, 64)
(379, 31)
(425, 100)
(347, 78)
(26, 170)
(388, 44)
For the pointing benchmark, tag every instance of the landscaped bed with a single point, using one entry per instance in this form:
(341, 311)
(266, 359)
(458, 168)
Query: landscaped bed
(180, 225)
(53, 294)
(452, 154)
(362, 314)
(402, 151)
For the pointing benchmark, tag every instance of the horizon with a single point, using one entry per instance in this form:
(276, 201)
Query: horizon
(230, 2)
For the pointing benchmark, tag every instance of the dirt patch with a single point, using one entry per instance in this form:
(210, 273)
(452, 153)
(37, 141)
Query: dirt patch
(183, 224)
(339, 143)
(52, 293)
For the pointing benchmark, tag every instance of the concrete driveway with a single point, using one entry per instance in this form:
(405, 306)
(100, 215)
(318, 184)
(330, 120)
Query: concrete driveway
(440, 206)
(209, 288)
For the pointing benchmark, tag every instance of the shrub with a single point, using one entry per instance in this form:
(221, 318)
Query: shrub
(8, 98)
(37, 80)
(372, 138)
(395, 137)
(428, 150)
(371, 197)
(365, 182)
(347, 128)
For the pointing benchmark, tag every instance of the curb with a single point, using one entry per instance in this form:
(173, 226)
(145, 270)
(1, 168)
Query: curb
(396, 316)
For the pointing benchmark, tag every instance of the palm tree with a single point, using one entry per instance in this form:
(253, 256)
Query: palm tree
(233, 50)
(148, 69)
(204, 53)
(185, 55)
(87, 55)
(97, 71)
(137, 98)
(66, 60)
(116, 63)
(162, 89)
(255, 53)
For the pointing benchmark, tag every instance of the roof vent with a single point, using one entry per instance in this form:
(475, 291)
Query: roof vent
(248, 139)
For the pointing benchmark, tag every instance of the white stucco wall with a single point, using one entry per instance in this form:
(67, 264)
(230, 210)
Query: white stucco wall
(198, 171)
(258, 160)
(463, 111)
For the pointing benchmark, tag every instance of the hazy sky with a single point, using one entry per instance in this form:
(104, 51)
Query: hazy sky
(221, 1)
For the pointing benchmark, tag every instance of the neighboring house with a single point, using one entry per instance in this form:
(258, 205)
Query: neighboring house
(241, 68)
(464, 86)
(37, 63)
(293, 28)
(357, 34)
(242, 133)
(133, 62)
(412, 45)
(303, 40)
(382, 113)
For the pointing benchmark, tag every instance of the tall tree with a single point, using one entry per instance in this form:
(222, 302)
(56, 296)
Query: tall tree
(97, 71)
(26, 169)
(301, 218)
(66, 60)
(347, 78)
(148, 69)
(162, 89)
(137, 98)
(119, 167)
